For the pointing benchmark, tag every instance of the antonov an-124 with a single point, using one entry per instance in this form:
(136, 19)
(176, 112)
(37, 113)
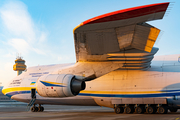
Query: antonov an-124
(115, 67)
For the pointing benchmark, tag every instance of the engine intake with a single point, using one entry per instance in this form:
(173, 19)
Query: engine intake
(59, 85)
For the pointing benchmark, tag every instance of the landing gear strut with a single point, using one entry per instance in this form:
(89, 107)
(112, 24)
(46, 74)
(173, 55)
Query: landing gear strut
(37, 109)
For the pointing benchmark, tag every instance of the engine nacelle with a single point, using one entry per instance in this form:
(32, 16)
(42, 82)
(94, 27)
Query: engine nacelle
(59, 85)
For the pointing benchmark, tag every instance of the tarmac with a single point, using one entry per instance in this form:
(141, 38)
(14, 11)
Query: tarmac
(19, 111)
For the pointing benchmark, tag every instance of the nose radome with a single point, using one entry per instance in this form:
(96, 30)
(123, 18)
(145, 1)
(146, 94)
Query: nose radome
(4, 90)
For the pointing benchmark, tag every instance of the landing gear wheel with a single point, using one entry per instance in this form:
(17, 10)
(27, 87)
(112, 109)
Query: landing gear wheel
(162, 110)
(118, 110)
(34, 109)
(128, 110)
(151, 110)
(42, 109)
(39, 109)
(173, 109)
(139, 110)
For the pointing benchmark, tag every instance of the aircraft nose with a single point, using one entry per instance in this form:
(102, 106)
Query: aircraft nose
(4, 91)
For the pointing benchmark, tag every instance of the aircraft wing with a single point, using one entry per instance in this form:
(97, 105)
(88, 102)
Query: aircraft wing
(122, 36)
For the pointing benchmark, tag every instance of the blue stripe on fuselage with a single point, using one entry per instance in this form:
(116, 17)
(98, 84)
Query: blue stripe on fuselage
(131, 95)
(111, 95)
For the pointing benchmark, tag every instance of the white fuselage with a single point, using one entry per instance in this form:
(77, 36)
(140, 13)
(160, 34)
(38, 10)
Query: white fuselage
(159, 82)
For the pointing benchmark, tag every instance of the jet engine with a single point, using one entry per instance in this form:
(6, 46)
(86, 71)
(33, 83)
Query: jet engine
(59, 85)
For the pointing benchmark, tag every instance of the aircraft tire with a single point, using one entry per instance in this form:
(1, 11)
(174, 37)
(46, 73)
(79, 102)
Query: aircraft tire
(151, 110)
(173, 109)
(118, 110)
(34, 109)
(162, 110)
(128, 110)
(42, 109)
(39, 109)
(139, 110)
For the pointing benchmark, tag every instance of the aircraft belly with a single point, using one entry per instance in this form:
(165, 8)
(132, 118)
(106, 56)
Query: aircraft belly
(77, 100)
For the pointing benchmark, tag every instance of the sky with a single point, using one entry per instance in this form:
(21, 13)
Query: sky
(41, 31)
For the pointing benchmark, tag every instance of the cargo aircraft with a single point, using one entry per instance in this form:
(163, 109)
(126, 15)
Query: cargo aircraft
(115, 67)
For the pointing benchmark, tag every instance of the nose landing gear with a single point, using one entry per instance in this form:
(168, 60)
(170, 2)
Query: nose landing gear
(37, 109)
(32, 102)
